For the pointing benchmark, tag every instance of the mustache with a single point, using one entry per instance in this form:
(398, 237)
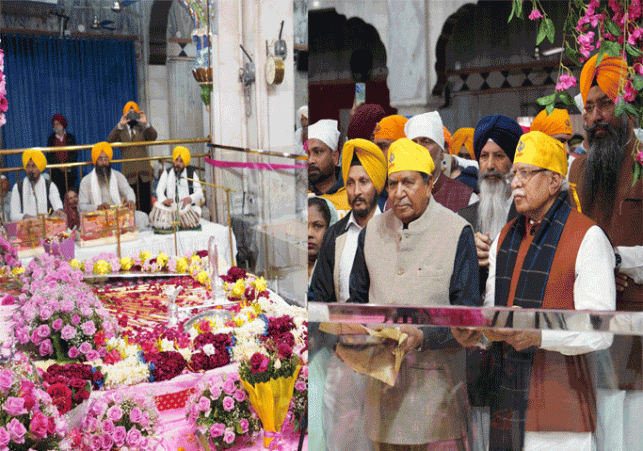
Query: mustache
(518, 192)
(493, 173)
(606, 125)
(357, 199)
(312, 167)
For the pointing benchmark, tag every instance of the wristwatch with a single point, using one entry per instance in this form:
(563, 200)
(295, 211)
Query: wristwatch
(619, 260)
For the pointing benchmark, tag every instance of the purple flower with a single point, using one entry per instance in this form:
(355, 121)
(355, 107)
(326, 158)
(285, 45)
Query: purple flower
(45, 348)
(5, 438)
(120, 433)
(68, 332)
(136, 415)
(88, 328)
(16, 431)
(535, 15)
(229, 436)
(217, 430)
(240, 395)
(134, 437)
(228, 403)
(14, 406)
(115, 413)
(204, 404)
(73, 352)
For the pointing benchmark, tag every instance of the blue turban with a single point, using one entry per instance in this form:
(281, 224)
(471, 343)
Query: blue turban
(503, 130)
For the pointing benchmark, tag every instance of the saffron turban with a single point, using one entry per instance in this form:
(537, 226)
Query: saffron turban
(129, 105)
(608, 74)
(448, 140)
(326, 131)
(60, 118)
(552, 124)
(102, 147)
(183, 152)
(37, 156)
(364, 120)
(405, 155)
(371, 158)
(391, 127)
(543, 151)
(502, 130)
(463, 137)
(426, 125)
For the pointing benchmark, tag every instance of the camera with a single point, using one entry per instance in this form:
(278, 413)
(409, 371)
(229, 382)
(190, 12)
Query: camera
(133, 116)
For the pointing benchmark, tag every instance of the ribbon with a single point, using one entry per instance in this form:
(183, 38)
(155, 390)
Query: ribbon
(259, 166)
(278, 437)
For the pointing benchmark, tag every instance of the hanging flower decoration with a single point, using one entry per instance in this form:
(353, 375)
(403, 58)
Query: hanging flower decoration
(612, 27)
(4, 105)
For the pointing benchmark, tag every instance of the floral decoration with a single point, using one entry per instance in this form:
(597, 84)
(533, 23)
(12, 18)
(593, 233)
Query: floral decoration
(118, 421)
(300, 397)
(9, 261)
(220, 411)
(4, 105)
(71, 384)
(165, 365)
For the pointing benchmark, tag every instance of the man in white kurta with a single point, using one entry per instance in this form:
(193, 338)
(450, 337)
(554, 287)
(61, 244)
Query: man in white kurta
(34, 200)
(175, 177)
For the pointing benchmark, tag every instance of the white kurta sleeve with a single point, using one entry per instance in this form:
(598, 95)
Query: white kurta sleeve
(197, 195)
(594, 289)
(162, 187)
(54, 197)
(632, 262)
(490, 288)
(124, 189)
(16, 211)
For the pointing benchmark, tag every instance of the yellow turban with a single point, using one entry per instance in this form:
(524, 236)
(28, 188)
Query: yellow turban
(102, 147)
(370, 156)
(129, 105)
(543, 151)
(183, 152)
(37, 156)
(463, 137)
(391, 127)
(609, 74)
(552, 124)
(405, 155)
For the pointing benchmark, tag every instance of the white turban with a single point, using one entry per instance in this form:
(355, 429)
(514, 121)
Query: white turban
(326, 131)
(302, 112)
(426, 125)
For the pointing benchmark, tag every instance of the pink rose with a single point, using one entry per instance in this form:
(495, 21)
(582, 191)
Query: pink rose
(98, 407)
(106, 441)
(300, 386)
(535, 15)
(240, 395)
(108, 426)
(38, 425)
(215, 391)
(68, 332)
(244, 425)
(45, 312)
(134, 437)
(136, 415)
(229, 436)
(217, 430)
(75, 320)
(115, 413)
(204, 404)
(85, 348)
(228, 403)
(120, 433)
(5, 438)
(229, 386)
(57, 324)
(6, 380)
(92, 355)
(14, 406)
(95, 443)
(35, 338)
(73, 352)
(88, 328)
(45, 348)
(16, 430)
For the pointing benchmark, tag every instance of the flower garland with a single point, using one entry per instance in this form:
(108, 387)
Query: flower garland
(4, 105)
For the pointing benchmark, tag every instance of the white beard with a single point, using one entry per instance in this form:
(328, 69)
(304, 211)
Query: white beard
(493, 208)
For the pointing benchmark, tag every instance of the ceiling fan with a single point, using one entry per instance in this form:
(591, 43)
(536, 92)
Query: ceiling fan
(102, 25)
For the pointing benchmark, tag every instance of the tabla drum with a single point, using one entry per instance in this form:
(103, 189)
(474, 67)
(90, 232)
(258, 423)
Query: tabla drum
(163, 217)
(189, 217)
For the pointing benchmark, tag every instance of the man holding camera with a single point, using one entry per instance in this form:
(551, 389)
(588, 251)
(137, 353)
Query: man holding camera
(133, 127)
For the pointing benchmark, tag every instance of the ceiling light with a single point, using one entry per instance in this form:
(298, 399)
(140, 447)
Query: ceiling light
(95, 23)
(116, 7)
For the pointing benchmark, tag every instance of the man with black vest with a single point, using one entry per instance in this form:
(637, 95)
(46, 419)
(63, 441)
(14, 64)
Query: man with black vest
(174, 185)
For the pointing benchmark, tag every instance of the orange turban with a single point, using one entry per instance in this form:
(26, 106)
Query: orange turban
(102, 147)
(371, 158)
(448, 140)
(129, 105)
(463, 137)
(38, 158)
(608, 74)
(391, 127)
(552, 124)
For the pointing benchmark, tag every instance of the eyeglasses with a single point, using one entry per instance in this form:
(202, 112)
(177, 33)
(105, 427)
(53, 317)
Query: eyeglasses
(525, 174)
(603, 104)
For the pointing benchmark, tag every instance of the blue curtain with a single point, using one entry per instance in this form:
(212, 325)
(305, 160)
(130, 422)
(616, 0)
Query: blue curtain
(86, 80)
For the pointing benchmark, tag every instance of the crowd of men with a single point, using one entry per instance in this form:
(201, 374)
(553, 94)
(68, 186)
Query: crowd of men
(42, 193)
(530, 233)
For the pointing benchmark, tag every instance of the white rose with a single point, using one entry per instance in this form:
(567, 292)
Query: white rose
(277, 364)
(209, 349)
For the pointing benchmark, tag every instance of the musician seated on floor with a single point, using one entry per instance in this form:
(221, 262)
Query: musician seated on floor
(35, 195)
(178, 189)
(105, 187)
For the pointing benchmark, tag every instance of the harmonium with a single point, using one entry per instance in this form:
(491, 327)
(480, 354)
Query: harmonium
(27, 236)
(101, 227)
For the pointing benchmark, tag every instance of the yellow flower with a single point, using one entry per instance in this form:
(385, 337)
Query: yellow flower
(145, 255)
(162, 259)
(101, 267)
(239, 288)
(257, 308)
(239, 321)
(260, 284)
(18, 270)
(202, 278)
(182, 265)
(75, 263)
(126, 263)
(195, 259)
